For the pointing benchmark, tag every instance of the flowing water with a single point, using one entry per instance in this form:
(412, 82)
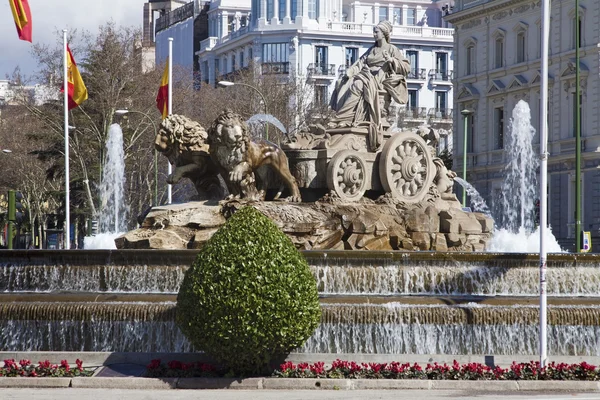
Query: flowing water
(259, 120)
(477, 202)
(112, 216)
(372, 302)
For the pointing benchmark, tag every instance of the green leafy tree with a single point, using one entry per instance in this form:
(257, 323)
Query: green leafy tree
(249, 298)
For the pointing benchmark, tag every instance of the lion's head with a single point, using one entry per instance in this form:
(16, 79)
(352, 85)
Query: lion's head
(178, 134)
(228, 130)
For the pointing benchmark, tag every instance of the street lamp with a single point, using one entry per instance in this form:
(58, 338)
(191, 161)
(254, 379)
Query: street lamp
(228, 83)
(466, 113)
(124, 112)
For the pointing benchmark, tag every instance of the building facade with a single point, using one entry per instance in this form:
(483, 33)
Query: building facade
(498, 59)
(315, 40)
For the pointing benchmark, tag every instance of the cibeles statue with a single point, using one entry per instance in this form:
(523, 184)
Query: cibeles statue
(364, 94)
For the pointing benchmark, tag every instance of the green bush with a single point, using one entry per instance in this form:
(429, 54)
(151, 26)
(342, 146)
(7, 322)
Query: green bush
(249, 298)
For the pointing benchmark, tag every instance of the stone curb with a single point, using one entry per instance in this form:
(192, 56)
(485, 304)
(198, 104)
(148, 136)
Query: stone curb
(297, 384)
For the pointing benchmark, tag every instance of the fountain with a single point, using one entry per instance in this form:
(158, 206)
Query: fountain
(113, 212)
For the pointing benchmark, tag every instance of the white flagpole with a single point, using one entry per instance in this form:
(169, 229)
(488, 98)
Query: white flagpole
(170, 107)
(543, 179)
(66, 106)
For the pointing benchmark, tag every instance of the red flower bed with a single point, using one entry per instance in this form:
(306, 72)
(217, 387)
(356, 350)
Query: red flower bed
(25, 368)
(394, 370)
(470, 371)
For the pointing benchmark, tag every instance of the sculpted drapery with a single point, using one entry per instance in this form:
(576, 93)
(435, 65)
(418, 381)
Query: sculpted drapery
(382, 67)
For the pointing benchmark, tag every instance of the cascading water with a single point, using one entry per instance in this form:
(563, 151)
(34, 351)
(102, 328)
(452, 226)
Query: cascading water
(113, 211)
(516, 230)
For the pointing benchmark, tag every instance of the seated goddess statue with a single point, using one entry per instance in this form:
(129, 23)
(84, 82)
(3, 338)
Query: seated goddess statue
(383, 68)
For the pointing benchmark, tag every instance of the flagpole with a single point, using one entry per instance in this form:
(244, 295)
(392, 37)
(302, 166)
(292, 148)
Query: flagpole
(170, 107)
(543, 179)
(66, 107)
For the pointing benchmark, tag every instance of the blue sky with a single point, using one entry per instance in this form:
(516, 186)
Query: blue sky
(51, 15)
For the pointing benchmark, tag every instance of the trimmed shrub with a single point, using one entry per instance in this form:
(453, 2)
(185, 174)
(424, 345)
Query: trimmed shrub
(249, 298)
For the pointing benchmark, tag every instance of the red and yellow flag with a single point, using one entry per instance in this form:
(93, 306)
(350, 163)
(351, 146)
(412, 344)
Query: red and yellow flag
(22, 16)
(77, 90)
(162, 98)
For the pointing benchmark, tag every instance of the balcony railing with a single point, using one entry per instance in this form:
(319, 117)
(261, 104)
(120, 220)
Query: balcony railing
(399, 30)
(275, 68)
(417, 73)
(443, 75)
(179, 14)
(208, 43)
(413, 113)
(321, 69)
(440, 113)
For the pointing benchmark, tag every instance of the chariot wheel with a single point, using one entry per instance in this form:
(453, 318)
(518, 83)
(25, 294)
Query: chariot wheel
(406, 167)
(347, 175)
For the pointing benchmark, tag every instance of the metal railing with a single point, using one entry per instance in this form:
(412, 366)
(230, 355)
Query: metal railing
(440, 113)
(179, 14)
(413, 113)
(274, 68)
(417, 73)
(441, 75)
(320, 69)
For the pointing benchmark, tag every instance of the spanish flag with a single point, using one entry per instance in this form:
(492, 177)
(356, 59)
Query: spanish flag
(22, 16)
(162, 98)
(77, 90)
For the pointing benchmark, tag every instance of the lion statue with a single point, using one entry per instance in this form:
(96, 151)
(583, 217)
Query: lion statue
(183, 142)
(238, 159)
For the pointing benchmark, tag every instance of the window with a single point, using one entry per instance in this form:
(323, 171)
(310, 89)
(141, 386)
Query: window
(217, 69)
(521, 47)
(576, 31)
(313, 9)
(413, 58)
(470, 120)
(440, 104)
(282, 9)
(470, 61)
(321, 59)
(270, 9)
(574, 112)
(499, 52)
(412, 99)
(293, 9)
(499, 127)
(397, 16)
(242, 59)
(411, 17)
(351, 55)
(275, 52)
(233, 64)
(321, 95)
(383, 14)
(441, 66)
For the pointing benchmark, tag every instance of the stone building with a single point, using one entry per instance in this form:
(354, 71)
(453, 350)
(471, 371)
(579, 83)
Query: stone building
(498, 59)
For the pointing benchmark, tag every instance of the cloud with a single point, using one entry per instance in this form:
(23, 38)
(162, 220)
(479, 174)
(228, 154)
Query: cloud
(50, 16)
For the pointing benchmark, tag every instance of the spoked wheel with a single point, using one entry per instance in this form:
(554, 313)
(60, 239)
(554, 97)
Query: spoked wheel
(347, 175)
(406, 167)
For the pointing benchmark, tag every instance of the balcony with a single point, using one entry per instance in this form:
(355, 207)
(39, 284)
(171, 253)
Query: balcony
(275, 68)
(417, 73)
(318, 69)
(440, 115)
(441, 76)
(208, 43)
(413, 113)
(399, 30)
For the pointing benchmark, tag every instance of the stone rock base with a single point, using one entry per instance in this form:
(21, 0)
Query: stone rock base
(320, 226)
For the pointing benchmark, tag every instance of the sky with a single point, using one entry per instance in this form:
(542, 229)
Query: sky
(51, 15)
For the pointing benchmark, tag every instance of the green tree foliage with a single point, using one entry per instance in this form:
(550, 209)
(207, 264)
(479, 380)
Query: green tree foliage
(249, 298)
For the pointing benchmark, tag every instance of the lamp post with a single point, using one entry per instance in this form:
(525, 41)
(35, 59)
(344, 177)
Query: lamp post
(228, 83)
(124, 112)
(466, 113)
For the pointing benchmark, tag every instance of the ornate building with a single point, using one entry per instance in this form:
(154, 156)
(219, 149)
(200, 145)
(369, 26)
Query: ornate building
(498, 47)
(315, 40)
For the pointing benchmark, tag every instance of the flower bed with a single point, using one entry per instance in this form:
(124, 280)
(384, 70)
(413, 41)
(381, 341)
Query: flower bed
(25, 368)
(351, 370)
